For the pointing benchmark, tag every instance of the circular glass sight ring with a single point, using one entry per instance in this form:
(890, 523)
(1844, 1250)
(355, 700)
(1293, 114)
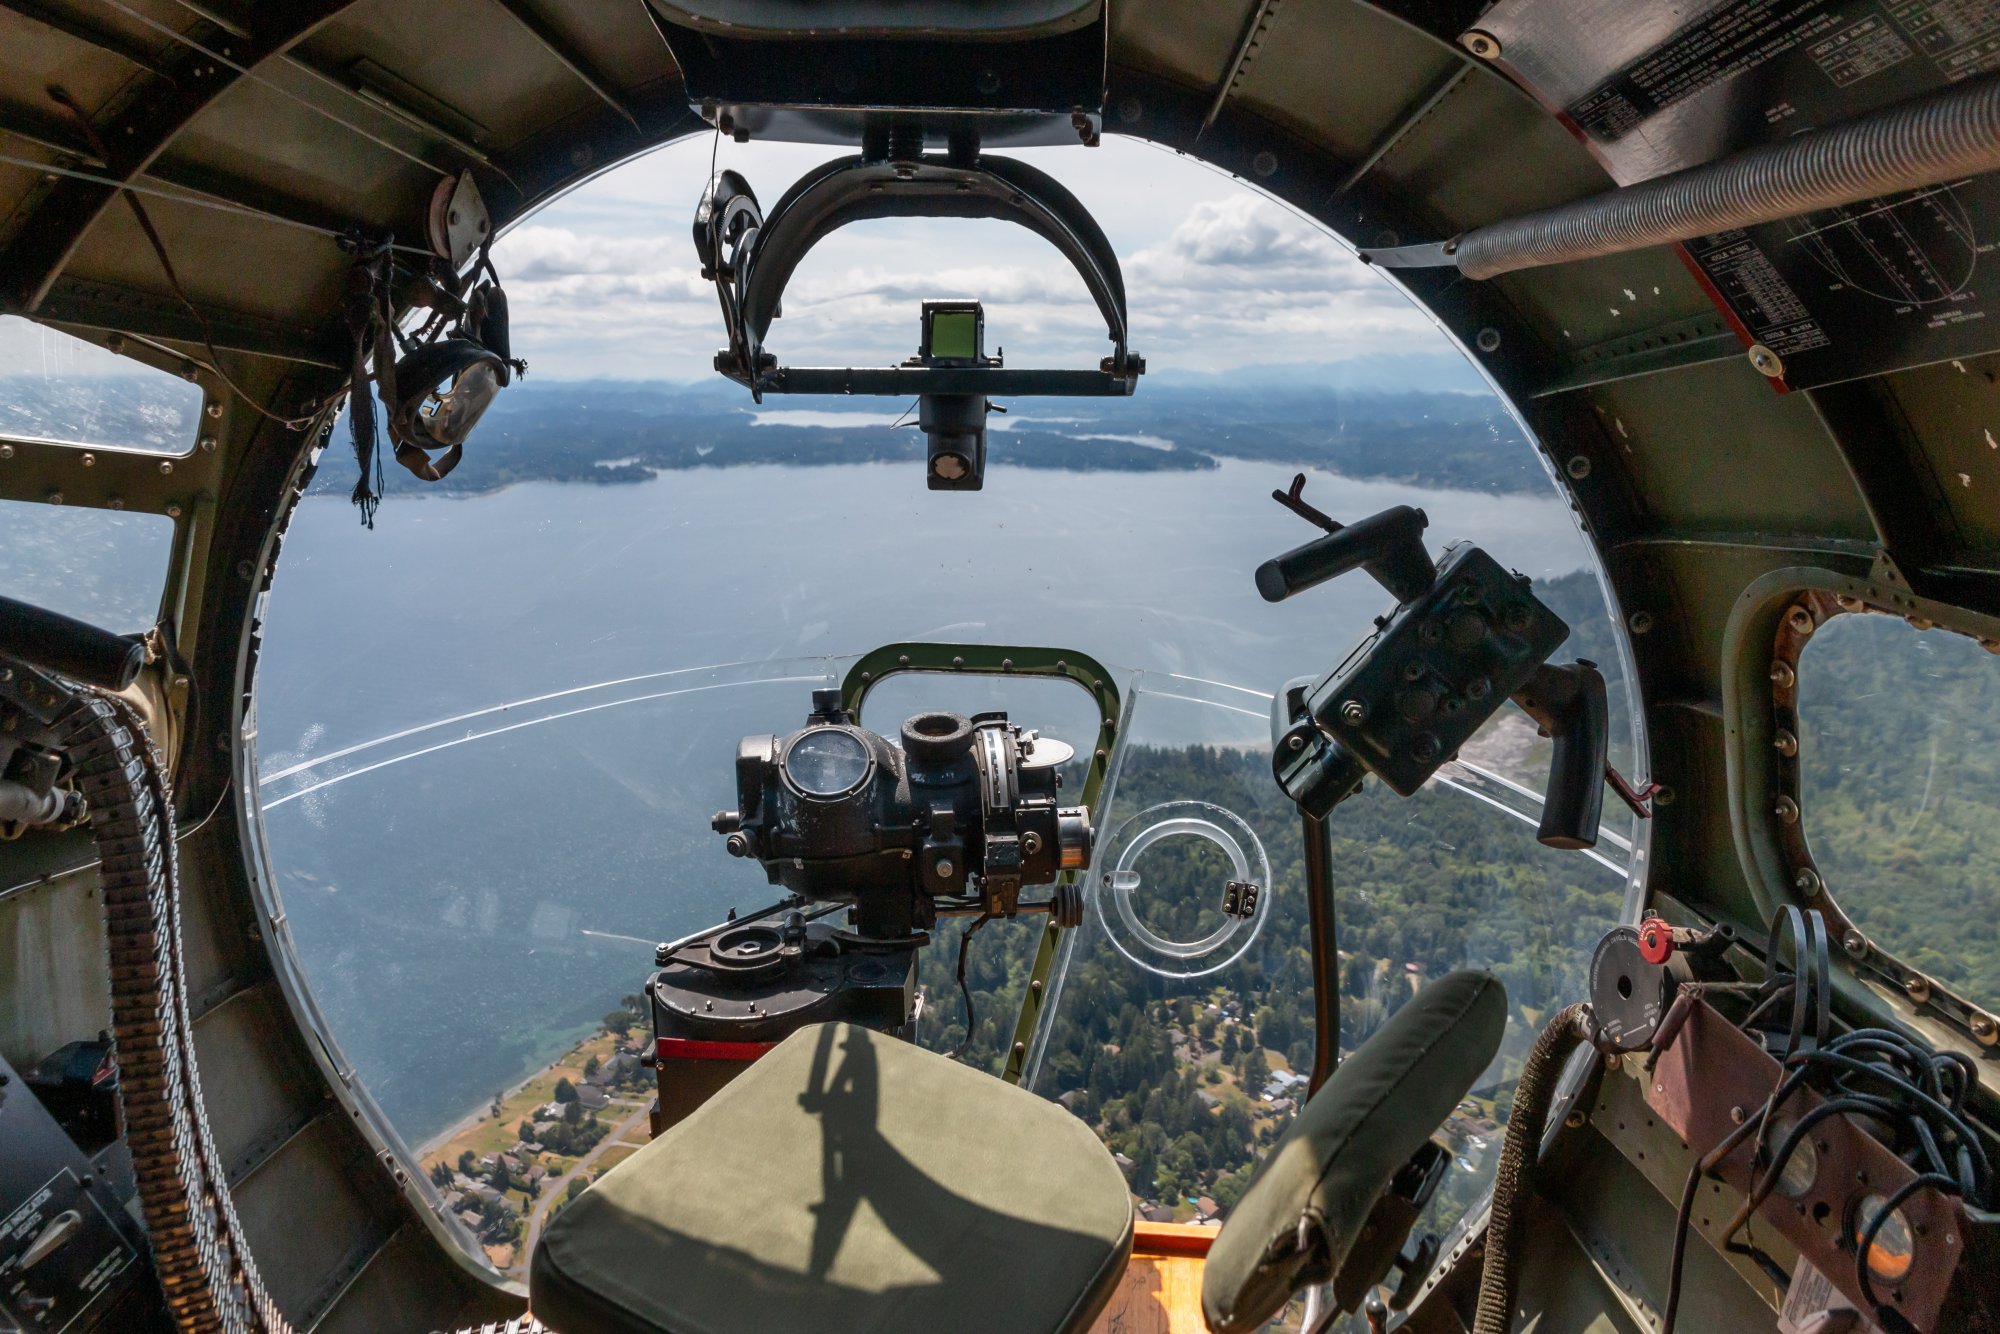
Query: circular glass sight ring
(827, 762)
(1120, 883)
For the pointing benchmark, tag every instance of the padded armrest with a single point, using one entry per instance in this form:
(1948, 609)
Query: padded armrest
(1340, 1154)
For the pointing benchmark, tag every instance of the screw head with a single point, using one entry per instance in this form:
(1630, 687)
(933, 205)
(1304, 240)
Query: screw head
(1800, 620)
(1917, 987)
(1985, 1029)
(1639, 622)
(1766, 361)
(1807, 881)
(1786, 810)
(1488, 340)
(1854, 943)
(1578, 467)
(1482, 44)
(1782, 675)
(1785, 743)
(1353, 711)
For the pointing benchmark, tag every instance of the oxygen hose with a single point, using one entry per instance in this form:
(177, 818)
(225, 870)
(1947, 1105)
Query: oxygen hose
(205, 1269)
(1514, 1182)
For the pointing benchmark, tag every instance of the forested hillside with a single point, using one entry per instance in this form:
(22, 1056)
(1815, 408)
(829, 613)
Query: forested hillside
(1900, 780)
(1173, 1072)
(1899, 798)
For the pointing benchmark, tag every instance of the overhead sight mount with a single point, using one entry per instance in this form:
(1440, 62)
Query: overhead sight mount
(751, 257)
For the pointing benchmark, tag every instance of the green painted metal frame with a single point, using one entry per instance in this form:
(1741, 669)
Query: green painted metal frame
(1006, 660)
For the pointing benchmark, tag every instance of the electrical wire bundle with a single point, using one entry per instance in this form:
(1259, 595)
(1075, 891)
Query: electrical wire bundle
(1910, 1096)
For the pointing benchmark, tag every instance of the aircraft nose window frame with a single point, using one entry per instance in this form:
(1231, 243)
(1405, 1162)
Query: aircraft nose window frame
(1704, 280)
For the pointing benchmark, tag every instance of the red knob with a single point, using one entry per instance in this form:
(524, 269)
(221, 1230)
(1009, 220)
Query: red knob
(1656, 941)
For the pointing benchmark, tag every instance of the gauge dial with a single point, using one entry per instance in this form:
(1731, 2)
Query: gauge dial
(1893, 1252)
(826, 762)
(1802, 1168)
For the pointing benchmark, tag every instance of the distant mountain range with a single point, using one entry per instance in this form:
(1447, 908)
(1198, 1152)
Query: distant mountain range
(611, 432)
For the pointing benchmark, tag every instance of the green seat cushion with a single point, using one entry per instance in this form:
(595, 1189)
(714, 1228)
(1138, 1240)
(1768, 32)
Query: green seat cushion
(847, 1180)
(1339, 1155)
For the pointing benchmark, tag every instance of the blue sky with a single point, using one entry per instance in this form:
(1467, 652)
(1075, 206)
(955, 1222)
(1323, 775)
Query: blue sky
(603, 282)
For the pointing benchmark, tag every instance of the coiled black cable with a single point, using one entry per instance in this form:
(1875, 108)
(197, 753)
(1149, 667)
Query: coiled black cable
(1893, 1080)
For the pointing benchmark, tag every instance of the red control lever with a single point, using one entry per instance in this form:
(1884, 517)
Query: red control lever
(1656, 941)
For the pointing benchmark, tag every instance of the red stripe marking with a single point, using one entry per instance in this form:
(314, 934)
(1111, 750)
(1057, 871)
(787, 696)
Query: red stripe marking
(698, 1049)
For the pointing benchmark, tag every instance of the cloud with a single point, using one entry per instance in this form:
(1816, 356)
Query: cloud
(601, 284)
(1248, 231)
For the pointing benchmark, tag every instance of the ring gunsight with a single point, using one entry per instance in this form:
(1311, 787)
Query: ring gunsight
(959, 816)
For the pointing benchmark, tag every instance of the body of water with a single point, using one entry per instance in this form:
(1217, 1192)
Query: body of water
(467, 898)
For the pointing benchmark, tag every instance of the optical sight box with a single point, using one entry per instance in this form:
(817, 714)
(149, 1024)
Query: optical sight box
(1436, 668)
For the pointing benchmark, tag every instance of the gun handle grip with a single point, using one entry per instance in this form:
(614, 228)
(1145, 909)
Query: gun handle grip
(1581, 730)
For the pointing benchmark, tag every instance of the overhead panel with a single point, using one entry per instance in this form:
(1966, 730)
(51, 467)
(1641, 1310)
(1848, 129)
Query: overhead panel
(255, 133)
(1286, 78)
(466, 65)
(1955, 408)
(1700, 465)
(1448, 160)
(39, 54)
(297, 270)
(1651, 89)
(1189, 42)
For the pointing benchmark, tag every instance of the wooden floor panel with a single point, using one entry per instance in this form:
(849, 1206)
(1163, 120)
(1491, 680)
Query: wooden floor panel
(1161, 1291)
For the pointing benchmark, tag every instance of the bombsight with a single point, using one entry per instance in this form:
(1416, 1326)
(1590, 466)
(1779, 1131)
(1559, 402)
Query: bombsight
(959, 817)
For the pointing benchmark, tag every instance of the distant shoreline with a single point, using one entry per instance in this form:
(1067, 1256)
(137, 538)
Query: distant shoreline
(478, 1113)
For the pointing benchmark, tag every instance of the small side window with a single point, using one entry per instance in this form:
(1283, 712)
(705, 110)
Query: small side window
(1899, 782)
(57, 388)
(105, 568)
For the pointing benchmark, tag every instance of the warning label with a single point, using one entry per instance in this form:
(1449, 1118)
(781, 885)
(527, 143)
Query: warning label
(1869, 47)
(1730, 41)
(1758, 293)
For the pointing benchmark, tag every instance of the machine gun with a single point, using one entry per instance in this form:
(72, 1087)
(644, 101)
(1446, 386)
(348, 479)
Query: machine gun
(1464, 637)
